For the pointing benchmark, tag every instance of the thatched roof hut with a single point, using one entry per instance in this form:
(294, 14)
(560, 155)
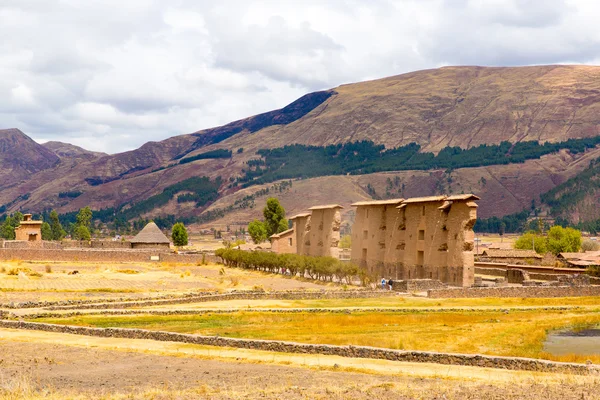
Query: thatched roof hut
(150, 237)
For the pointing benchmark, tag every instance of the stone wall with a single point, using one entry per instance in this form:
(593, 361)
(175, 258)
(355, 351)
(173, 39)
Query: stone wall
(322, 231)
(284, 242)
(527, 292)
(490, 271)
(97, 244)
(419, 238)
(24, 244)
(246, 295)
(512, 363)
(91, 255)
(418, 285)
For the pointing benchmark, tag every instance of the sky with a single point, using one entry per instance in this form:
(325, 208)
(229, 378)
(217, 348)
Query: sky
(111, 75)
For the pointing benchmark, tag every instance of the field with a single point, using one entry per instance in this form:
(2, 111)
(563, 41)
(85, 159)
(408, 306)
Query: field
(39, 364)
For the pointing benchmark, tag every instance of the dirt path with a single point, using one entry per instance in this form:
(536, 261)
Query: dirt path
(105, 365)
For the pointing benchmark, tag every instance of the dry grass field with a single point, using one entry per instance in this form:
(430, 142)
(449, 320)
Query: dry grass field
(25, 281)
(37, 364)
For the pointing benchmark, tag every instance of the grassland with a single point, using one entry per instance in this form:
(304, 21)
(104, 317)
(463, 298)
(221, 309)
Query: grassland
(511, 333)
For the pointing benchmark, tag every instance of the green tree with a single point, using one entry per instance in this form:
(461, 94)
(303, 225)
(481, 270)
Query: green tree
(7, 230)
(274, 214)
(528, 240)
(257, 231)
(84, 217)
(563, 240)
(58, 233)
(179, 234)
(346, 242)
(46, 231)
(81, 232)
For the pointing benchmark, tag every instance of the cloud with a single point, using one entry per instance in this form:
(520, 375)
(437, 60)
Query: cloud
(110, 75)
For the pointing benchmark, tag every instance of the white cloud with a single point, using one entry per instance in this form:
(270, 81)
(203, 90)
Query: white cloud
(110, 75)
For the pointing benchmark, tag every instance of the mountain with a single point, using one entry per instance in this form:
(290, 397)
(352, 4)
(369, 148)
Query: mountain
(21, 157)
(461, 115)
(66, 150)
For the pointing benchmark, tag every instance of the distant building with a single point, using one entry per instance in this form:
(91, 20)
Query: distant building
(29, 230)
(150, 237)
(510, 256)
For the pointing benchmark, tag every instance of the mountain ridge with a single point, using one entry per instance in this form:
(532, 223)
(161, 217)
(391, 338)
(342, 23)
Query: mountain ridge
(438, 108)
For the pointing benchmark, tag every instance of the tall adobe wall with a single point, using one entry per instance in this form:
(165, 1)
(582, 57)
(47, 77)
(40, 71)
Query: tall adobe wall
(419, 238)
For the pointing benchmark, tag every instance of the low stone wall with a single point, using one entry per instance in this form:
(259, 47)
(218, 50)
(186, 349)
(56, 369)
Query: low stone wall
(97, 255)
(529, 292)
(348, 311)
(490, 271)
(287, 295)
(512, 363)
(97, 244)
(418, 285)
(24, 245)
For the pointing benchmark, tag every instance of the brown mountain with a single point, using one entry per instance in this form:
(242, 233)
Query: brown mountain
(451, 106)
(66, 150)
(21, 157)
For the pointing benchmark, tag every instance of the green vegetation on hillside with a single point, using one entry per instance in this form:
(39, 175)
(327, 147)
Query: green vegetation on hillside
(365, 157)
(202, 189)
(219, 153)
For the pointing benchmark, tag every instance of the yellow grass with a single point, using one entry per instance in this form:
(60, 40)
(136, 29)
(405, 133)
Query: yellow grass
(496, 333)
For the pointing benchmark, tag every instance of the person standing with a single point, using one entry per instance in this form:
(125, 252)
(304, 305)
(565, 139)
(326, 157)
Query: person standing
(390, 283)
(383, 283)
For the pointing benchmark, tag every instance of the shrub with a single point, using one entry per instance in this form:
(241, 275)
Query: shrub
(179, 234)
(319, 268)
(590, 245)
(48, 269)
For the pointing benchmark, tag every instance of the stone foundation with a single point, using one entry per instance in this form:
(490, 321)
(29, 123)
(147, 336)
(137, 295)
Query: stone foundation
(528, 292)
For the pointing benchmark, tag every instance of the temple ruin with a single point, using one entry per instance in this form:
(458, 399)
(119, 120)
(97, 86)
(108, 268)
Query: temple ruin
(417, 238)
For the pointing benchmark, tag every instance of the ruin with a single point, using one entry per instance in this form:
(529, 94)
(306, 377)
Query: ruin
(284, 242)
(29, 230)
(418, 238)
(427, 238)
(316, 233)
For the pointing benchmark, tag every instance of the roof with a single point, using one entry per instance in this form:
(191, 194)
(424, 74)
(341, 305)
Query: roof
(301, 215)
(377, 202)
(581, 263)
(31, 222)
(280, 234)
(326, 207)
(423, 199)
(150, 234)
(466, 196)
(511, 253)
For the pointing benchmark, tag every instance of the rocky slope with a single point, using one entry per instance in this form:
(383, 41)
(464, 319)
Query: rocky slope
(451, 106)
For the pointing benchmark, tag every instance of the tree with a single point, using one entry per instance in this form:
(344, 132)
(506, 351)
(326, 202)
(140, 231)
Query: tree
(179, 234)
(346, 242)
(257, 231)
(274, 214)
(46, 231)
(563, 240)
(528, 240)
(7, 230)
(58, 233)
(84, 217)
(81, 232)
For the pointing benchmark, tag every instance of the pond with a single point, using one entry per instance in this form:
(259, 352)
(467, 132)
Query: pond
(583, 342)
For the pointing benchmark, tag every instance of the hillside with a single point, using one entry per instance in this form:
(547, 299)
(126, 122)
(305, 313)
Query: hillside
(463, 107)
